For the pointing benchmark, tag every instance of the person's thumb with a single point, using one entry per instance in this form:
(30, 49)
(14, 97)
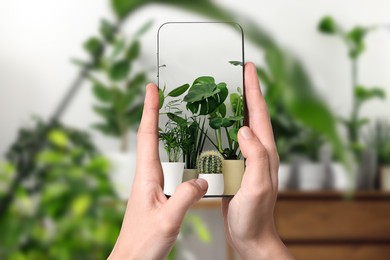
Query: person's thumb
(185, 196)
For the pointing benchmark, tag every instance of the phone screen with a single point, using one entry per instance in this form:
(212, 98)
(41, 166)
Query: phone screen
(201, 85)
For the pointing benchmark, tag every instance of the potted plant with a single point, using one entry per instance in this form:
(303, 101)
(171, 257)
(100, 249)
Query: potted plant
(379, 141)
(173, 169)
(209, 165)
(311, 169)
(206, 97)
(118, 90)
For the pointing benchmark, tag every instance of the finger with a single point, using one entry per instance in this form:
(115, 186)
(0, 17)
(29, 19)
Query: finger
(185, 196)
(259, 120)
(148, 159)
(257, 178)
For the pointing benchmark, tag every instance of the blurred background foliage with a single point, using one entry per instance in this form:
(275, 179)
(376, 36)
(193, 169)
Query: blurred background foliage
(56, 200)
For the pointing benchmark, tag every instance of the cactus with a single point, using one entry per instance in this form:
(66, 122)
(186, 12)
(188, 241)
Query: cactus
(210, 162)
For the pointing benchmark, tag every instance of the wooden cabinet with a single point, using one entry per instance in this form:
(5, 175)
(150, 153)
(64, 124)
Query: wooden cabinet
(328, 225)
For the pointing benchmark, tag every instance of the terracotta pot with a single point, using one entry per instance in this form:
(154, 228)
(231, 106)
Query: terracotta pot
(173, 176)
(189, 174)
(385, 178)
(215, 181)
(232, 171)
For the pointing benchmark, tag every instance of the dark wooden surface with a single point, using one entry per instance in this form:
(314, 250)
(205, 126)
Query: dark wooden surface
(331, 225)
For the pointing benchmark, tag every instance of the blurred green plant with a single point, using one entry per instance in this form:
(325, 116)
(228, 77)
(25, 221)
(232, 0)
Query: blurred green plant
(66, 208)
(354, 41)
(117, 87)
(192, 225)
(378, 138)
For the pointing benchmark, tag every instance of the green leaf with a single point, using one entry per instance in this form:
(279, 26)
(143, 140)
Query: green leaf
(357, 34)
(327, 25)
(235, 118)
(218, 122)
(144, 28)
(58, 138)
(107, 30)
(236, 63)
(177, 119)
(133, 51)
(179, 90)
(224, 92)
(119, 70)
(81, 204)
(204, 80)
(101, 92)
(117, 48)
(137, 82)
(94, 47)
(200, 92)
(222, 109)
(161, 97)
(363, 94)
(123, 8)
(233, 134)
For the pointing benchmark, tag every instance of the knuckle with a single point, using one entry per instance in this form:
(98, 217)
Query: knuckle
(188, 188)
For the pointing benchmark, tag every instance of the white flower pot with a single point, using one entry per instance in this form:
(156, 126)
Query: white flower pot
(215, 181)
(385, 178)
(311, 176)
(341, 179)
(122, 172)
(173, 176)
(283, 176)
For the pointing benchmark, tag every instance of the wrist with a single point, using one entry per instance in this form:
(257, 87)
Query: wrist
(267, 247)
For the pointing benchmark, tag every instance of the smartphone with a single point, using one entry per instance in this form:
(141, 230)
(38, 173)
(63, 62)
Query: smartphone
(202, 105)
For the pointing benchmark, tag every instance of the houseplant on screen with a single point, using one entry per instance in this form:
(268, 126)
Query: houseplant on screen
(206, 97)
(173, 169)
(191, 130)
(209, 165)
(118, 89)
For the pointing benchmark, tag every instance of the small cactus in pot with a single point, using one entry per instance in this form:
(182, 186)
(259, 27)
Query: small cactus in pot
(209, 162)
(209, 165)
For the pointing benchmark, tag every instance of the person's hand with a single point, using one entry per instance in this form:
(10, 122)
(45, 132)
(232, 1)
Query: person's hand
(248, 216)
(152, 222)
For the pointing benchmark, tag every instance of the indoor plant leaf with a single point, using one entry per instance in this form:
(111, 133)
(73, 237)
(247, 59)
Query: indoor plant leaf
(101, 92)
(94, 47)
(133, 51)
(119, 70)
(179, 90)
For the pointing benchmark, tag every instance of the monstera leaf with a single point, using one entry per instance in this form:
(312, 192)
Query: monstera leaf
(205, 96)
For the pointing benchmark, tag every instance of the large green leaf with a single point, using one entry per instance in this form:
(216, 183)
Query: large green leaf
(200, 92)
(179, 90)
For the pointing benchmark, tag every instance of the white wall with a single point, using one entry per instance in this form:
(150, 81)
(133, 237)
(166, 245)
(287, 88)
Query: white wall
(38, 38)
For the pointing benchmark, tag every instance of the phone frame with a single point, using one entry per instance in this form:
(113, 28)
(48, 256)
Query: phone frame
(246, 119)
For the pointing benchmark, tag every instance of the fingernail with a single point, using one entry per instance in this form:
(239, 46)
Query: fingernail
(202, 183)
(246, 133)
